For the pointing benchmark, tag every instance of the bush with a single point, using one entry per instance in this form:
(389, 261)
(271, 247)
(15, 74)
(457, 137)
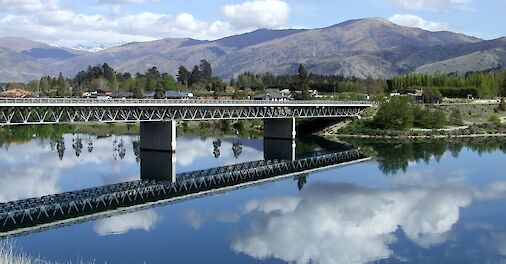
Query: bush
(495, 120)
(502, 106)
(429, 119)
(456, 118)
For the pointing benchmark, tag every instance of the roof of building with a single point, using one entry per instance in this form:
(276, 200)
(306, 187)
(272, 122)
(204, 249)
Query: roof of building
(103, 89)
(175, 94)
(268, 96)
(149, 94)
(123, 94)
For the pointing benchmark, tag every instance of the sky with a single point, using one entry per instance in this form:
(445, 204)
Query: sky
(111, 22)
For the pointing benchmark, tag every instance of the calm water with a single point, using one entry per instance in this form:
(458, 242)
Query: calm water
(425, 202)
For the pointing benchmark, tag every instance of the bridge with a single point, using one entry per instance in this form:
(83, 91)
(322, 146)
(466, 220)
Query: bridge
(158, 117)
(52, 211)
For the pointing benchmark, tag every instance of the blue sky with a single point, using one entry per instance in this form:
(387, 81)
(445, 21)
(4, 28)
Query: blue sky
(71, 22)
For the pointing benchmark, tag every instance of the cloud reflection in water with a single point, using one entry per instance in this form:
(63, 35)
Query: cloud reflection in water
(121, 224)
(345, 223)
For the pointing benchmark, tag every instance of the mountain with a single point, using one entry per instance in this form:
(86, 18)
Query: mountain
(482, 56)
(362, 48)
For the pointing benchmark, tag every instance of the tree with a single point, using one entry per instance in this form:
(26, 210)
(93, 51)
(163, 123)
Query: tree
(159, 92)
(150, 84)
(206, 71)
(114, 84)
(168, 82)
(183, 76)
(431, 95)
(44, 84)
(195, 76)
(153, 73)
(107, 72)
(396, 114)
(302, 83)
(217, 85)
(503, 84)
(76, 91)
(502, 105)
(138, 93)
(62, 86)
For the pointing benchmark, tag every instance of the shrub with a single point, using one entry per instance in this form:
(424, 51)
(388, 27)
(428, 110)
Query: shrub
(456, 118)
(495, 120)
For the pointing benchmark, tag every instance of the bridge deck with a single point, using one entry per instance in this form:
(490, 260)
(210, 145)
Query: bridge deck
(68, 110)
(76, 102)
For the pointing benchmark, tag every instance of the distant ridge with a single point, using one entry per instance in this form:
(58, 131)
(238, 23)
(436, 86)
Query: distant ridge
(371, 47)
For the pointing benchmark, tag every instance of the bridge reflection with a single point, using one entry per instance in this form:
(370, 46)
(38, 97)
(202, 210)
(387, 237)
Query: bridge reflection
(52, 211)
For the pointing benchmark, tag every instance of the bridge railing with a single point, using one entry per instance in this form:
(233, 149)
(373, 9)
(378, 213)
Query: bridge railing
(49, 101)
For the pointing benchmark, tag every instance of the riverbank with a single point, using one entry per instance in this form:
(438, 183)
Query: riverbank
(398, 118)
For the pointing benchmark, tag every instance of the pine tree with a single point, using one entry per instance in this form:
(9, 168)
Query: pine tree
(195, 76)
(183, 76)
(61, 86)
(302, 82)
(107, 72)
(206, 71)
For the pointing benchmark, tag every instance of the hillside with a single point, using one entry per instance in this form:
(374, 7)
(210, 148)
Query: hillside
(362, 48)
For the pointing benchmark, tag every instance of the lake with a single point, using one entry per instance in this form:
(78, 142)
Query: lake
(426, 201)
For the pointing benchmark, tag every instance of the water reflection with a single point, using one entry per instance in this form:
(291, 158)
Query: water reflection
(394, 155)
(348, 223)
(158, 184)
(120, 224)
(441, 202)
(31, 170)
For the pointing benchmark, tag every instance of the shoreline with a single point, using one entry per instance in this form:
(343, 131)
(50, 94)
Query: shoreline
(417, 137)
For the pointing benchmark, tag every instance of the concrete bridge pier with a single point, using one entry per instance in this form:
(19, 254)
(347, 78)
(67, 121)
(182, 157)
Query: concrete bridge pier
(279, 139)
(158, 165)
(158, 151)
(279, 128)
(281, 149)
(158, 136)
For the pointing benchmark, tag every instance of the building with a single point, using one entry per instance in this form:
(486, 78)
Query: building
(149, 94)
(269, 97)
(178, 95)
(123, 95)
(416, 95)
(104, 90)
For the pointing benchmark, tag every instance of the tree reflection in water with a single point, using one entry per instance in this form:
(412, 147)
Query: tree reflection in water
(395, 155)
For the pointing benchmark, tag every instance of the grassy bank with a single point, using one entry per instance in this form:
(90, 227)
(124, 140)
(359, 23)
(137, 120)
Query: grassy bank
(400, 119)
(10, 255)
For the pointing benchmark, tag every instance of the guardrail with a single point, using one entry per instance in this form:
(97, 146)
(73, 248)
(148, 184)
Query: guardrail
(168, 101)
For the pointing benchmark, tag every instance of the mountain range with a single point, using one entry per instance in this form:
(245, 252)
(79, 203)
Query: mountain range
(372, 47)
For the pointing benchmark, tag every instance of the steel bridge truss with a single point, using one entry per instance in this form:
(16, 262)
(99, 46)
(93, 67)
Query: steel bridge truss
(30, 215)
(16, 115)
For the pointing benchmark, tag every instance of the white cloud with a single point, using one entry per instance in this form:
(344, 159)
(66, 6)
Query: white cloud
(432, 5)
(411, 20)
(258, 13)
(49, 21)
(115, 2)
(121, 224)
